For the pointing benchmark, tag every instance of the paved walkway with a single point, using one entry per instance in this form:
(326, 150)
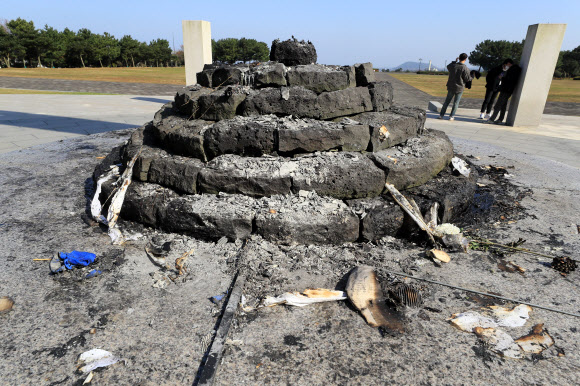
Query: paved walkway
(88, 86)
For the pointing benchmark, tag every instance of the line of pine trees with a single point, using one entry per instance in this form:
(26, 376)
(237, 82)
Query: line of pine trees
(23, 45)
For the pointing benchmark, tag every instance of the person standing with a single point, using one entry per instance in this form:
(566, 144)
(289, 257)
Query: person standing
(458, 76)
(506, 89)
(492, 82)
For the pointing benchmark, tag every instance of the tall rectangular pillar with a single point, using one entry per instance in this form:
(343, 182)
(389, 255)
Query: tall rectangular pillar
(196, 47)
(538, 62)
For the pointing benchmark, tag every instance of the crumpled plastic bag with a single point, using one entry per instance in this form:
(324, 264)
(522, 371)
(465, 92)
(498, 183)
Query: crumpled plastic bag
(77, 258)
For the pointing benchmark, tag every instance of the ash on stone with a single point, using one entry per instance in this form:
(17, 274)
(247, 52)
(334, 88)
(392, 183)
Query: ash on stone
(291, 150)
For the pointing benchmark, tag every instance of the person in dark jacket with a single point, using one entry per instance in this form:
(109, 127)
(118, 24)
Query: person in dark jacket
(506, 89)
(458, 76)
(492, 82)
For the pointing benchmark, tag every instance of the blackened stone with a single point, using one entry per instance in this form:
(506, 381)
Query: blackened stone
(165, 111)
(146, 155)
(185, 101)
(115, 157)
(176, 172)
(380, 217)
(222, 103)
(204, 78)
(146, 203)
(318, 77)
(364, 74)
(269, 74)
(344, 102)
(229, 75)
(306, 219)
(415, 112)
(381, 95)
(241, 135)
(211, 217)
(182, 136)
(296, 101)
(342, 175)
(417, 161)
(309, 135)
(259, 176)
(388, 129)
(293, 52)
(143, 136)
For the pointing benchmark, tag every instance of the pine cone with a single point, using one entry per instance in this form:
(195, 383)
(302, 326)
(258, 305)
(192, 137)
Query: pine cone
(564, 264)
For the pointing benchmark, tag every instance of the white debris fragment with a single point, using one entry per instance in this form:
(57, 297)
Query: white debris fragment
(516, 317)
(96, 358)
(499, 341)
(497, 317)
(96, 206)
(446, 229)
(307, 297)
(461, 166)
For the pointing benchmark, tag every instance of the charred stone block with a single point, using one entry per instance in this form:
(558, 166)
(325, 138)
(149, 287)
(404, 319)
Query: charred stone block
(165, 111)
(143, 163)
(211, 217)
(342, 175)
(221, 104)
(261, 176)
(182, 136)
(241, 135)
(381, 95)
(388, 129)
(229, 75)
(309, 135)
(204, 78)
(270, 74)
(145, 135)
(318, 77)
(186, 100)
(306, 219)
(380, 217)
(343, 102)
(176, 172)
(146, 203)
(364, 74)
(416, 162)
(293, 52)
(115, 157)
(296, 101)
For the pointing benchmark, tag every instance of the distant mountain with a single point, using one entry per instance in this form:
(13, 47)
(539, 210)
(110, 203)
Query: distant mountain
(414, 66)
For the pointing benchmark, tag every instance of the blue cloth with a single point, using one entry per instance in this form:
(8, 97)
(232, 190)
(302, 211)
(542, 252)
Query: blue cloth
(77, 258)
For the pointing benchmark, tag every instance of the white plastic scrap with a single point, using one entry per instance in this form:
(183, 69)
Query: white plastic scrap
(96, 206)
(461, 166)
(500, 342)
(305, 298)
(498, 316)
(96, 358)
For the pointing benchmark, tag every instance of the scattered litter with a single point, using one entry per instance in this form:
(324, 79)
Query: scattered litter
(304, 298)
(499, 342)
(564, 264)
(383, 133)
(536, 341)
(461, 166)
(365, 294)
(157, 253)
(62, 260)
(95, 358)
(181, 261)
(96, 206)
(496, 316)
(446, 229)
(93, 273)
(439, 255)
(89, 378)
(218, 298)
(6, 304)
(407, 295)
(452, 237)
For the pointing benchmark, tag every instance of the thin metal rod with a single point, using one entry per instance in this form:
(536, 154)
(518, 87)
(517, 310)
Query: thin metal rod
(524, 250)
(484, 293)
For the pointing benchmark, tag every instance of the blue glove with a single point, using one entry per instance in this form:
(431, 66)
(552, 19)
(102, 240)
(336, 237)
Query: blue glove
(77, 258)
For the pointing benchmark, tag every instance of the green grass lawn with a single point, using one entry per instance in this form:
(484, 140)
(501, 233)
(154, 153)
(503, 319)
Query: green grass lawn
(161, 75)
(561, 90)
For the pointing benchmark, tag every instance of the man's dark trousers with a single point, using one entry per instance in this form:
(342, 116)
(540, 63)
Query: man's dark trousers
(500, 106)
(490, 95)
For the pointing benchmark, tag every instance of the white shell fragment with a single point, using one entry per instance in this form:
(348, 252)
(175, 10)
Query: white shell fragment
(305, 298)
(461, 166)
(96, 358)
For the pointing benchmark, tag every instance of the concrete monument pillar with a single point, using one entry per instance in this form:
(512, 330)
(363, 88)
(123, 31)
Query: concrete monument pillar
(196, 47)
(538, 62)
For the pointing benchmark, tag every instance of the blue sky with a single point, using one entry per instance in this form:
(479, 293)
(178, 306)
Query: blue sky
(386, 33)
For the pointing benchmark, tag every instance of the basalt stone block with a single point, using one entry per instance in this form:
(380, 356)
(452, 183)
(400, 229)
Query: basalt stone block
(165, 111)
(269, 74)
(146, 203)
(221, 104)
(146, 155)
(115, 157)
(306, 219)
(143, 136)
(309, 135)
(351, 75)
(293, 52)
(241, 135)
(186, 100)
(380, 217)
(388, 129)
(318, 77)
(250, 176)
(343, 103)
(211, 217)
(342, 175)
(364, 74)
(381, 95)
(229, 75)
(296, 101)
(417, 161)
(176, 172)
(414, 112)
(182, 136)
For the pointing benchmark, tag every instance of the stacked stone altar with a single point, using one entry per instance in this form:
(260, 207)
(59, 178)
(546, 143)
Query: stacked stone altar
(294, 151)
